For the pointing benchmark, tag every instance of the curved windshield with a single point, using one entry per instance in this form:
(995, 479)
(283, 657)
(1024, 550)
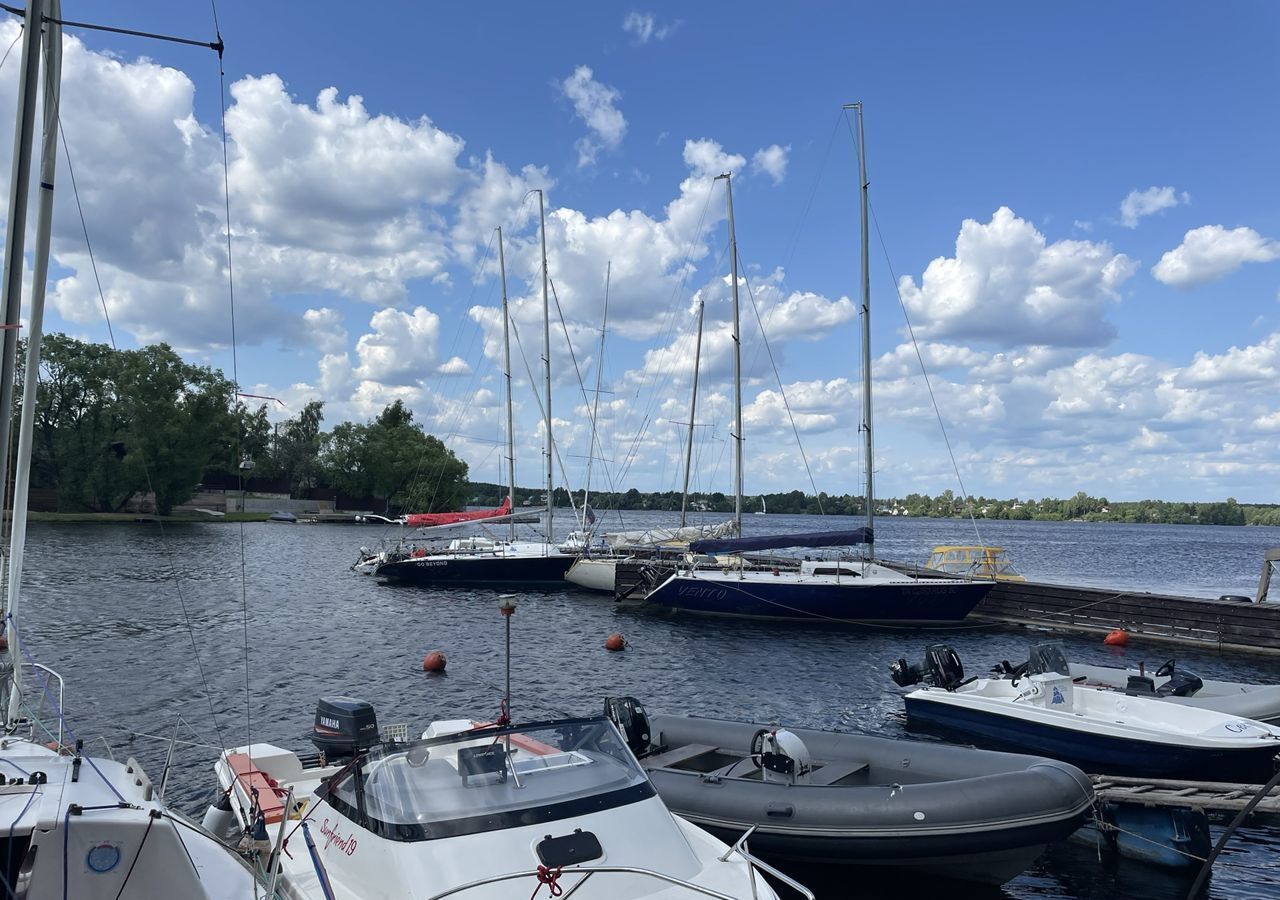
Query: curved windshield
(491, 778)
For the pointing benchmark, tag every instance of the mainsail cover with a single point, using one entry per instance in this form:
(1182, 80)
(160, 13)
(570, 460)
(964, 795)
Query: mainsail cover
(423, 520)
(780, 541)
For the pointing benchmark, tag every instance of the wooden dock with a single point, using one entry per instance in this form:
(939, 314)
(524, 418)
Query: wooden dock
(1210, 796)
(1219, 624)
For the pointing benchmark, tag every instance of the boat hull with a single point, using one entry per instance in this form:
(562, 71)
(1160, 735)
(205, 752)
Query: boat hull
(598, 575)
(963, 813)
(1096, 752)
(478, 570)
(908, 602)
(1250, 701)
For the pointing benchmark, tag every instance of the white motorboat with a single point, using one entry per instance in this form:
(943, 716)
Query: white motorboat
(1040, 709)
(1179, 684)
(475, 811)
(76, 826)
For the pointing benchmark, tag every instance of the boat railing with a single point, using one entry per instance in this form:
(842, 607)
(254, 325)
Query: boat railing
(587, 873)
(740, 848)
(42, 696)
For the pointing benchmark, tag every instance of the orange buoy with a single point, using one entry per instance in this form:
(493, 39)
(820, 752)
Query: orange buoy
(1117, 638)
(434, 662)
(615, 641)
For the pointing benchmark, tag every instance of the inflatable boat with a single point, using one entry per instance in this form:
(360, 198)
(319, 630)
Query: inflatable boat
(826, 797)
(1040, 708)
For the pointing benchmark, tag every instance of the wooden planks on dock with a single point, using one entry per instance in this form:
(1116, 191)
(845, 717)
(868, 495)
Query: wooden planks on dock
(1211, 796)
(1189, 620)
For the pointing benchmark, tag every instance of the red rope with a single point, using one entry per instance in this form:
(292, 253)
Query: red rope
(549, 877)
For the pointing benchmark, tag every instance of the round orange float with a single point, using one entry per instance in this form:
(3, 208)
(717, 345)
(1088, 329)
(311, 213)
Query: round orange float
(434, 662)
(615, 641)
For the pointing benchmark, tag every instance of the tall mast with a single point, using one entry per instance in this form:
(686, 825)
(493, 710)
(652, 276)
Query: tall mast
(595, 403)
(506, 353)
(737, 360)
(693, 411)
(16, 233)
(35, 324)
(546, 360)
(866, 330)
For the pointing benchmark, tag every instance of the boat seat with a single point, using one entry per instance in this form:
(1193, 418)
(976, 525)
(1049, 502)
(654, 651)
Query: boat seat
(831, 773)
(250, 778)
(676, 755)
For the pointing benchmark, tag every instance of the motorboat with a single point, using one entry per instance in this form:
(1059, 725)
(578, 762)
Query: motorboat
(472, 810)
(283, 515)
(1042, 709)
(1179, 684)
(984, 562)
(849, 799)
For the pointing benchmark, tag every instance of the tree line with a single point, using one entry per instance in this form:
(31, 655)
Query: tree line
(111, 424)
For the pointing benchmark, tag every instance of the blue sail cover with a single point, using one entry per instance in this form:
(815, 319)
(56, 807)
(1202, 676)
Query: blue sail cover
(779, 541)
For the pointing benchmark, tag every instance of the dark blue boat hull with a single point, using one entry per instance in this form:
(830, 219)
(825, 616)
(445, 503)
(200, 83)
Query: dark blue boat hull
(925, 602)
(1093, 752)
(485, 570)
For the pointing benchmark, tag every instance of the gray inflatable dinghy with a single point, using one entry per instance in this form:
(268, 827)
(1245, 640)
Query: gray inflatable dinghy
(826, 797)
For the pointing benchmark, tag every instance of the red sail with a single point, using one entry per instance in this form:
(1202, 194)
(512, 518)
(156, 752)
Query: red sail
(422, 520)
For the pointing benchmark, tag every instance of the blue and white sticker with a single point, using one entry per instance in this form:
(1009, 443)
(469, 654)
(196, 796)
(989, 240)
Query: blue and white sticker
(103, 858)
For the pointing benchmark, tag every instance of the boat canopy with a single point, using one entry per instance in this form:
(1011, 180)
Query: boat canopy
(779, 541)
(420, 520)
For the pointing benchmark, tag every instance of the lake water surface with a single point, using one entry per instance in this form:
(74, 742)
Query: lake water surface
(278, 621)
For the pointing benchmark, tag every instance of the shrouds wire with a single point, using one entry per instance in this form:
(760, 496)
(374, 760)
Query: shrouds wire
(146, 468)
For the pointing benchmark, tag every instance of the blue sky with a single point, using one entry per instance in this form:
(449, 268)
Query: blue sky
(1079, 204)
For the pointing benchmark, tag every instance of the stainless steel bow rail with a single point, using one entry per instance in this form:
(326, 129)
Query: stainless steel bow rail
(739, 848)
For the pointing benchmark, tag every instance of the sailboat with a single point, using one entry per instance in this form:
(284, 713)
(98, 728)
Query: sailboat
(598, 571)
(847, 591)
(484, 560)
(77, 826)
(764, 508)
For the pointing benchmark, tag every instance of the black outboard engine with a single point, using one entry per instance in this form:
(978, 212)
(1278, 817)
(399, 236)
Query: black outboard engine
(1181, 683)
(941, 667)
(344, 727)
(629, 716)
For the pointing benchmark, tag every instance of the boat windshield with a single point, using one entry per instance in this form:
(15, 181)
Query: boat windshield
(489, 779)
(1048, 657)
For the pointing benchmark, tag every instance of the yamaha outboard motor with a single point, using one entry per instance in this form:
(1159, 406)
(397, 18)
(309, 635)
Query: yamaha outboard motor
(344, 727)
(941, 667)
(629, 716)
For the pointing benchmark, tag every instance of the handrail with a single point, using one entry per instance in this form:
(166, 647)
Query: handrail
(587, 873)
(740, 847)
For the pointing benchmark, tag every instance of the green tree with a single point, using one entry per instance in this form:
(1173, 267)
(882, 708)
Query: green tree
(113, 423)
(298, 448)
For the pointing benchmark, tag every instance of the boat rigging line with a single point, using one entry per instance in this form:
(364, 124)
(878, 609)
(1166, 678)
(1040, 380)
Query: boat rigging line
(915, 346)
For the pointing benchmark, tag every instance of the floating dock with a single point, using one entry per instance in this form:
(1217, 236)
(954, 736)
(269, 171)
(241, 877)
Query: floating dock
(1210, 796)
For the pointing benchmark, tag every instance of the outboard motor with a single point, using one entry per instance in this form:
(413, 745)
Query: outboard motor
(629, 716)
(1181, 683)
(941, 667)
(784, 758)
(344, 727)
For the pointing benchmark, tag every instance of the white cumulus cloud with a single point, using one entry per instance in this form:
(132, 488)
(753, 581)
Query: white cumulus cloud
(1212, 252)
(1138, 204)
(772, 161)
(593, 102)
(1007, 284)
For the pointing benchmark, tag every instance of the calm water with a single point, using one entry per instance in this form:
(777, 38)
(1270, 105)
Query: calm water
(279, 621)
